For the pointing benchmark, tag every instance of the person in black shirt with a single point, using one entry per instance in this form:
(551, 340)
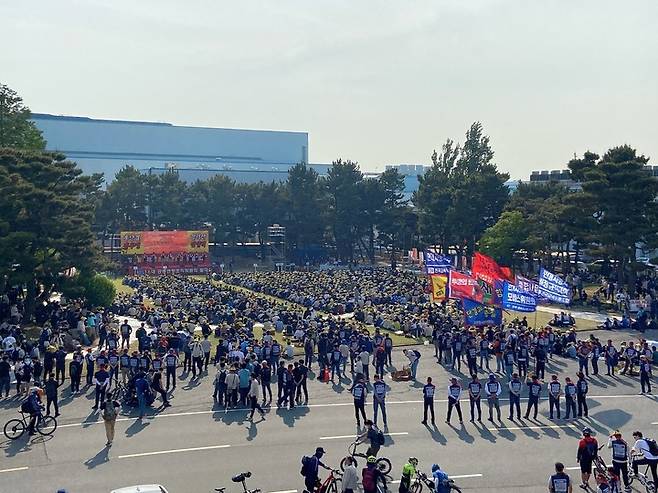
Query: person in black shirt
(5, 382)
(51, 394)
(101, 380)
(300, 380)
(428, 400)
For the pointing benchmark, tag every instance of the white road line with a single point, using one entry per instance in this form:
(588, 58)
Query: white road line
(338, 437)
(333, 404)
(284, 491)
(15, 469)
(540, 427)
(573, 468)
(464, 476)
(173, 451)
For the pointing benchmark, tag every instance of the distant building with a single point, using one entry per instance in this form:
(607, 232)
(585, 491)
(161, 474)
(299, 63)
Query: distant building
(410, 173)
(560, 176)
(106, 146)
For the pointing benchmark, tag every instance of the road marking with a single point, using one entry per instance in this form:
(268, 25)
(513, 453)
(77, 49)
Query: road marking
(574, 468)
(173, 451)
(284, 491)
(337, 437)
(333, 404)
(15, 469)
(540, 427)
(462, 476)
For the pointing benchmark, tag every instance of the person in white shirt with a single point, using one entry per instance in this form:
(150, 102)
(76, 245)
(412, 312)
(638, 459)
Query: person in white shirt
(641, 453)
(350, 482)
(254, 397)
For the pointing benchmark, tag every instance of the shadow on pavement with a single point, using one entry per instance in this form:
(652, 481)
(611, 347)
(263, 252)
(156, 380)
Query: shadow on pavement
(137, 426)
(100, 458)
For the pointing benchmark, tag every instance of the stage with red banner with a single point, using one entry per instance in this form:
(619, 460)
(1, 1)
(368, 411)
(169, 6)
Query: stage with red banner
(165, 252)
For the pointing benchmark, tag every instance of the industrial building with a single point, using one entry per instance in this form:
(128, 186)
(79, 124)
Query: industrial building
(106, 146)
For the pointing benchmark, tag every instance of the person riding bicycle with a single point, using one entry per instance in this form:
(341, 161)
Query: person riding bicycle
(644, 452)
(441, 483)
(588, 449)
(372, 434)
(371, 476)
(33, 407)
(408, 472)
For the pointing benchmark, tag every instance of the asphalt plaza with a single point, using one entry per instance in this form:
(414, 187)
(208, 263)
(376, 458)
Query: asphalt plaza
(192, 447)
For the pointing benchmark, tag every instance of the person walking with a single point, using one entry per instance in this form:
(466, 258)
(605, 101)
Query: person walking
(254, 396)
(141, 389)
(454, 393)
(110, 411)
(645, 375)
(51, 387)
(620, 452)
(156, 385)
(588, 449)
(428, 400)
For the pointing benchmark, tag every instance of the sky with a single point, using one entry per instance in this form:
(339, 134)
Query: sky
(378, 82)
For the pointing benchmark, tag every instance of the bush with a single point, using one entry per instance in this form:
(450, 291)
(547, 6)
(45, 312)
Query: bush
(99, 290)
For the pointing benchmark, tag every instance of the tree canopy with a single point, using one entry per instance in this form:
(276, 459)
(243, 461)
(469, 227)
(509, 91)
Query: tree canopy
(16, 129)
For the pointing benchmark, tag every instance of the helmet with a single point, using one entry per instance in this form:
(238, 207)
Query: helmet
(435, 467)
(413, 461)
(372, 459)
(587, 431)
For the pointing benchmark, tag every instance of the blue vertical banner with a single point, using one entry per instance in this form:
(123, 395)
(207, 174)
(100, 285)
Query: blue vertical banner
(553, 287)
(517, 299)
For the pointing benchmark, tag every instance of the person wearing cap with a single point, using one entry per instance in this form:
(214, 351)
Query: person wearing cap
(620, 451)
(514, 397)
(554, 393)
(311, 469)
(493, 389)
(581, 395)
(645, 374)
(641, 453)
(588, 449)
(569, 398)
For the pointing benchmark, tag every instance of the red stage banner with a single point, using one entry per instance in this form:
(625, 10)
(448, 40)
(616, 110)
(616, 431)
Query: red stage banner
(488, 270)
(148, 242)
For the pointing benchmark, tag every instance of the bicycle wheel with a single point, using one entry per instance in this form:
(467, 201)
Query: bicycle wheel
(455, 488)
(14, 428)
(384, 465)
(416, 488)
(650, 487)
(46, 425)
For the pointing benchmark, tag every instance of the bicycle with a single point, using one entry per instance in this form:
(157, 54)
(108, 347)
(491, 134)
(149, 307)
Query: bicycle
(421, 480)
(241, 478)
(330, 485)
(15, 428)
(599, 464)
(383, 464)
(643, 478)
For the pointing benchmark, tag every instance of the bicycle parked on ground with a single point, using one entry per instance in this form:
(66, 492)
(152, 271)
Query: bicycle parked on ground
(15, 428)
(330, 485)
(421, 480)
(383, 464)
(240, 478)
(644, 479)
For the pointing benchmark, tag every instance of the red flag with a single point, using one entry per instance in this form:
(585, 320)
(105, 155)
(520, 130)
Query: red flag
(464, 286)
(488, 270)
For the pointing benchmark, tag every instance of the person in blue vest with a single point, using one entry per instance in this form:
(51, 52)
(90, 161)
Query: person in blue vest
(581, 395)
(559, 482)
(534, 392)
(474, 397)
(359, 392)
(428, 400)
(514, 397)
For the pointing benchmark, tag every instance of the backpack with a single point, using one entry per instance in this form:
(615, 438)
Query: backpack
(369, 479)
(109, 412)
(306, 466)
(417, 353)
(653, 446)
(26, 406)
(381, 438)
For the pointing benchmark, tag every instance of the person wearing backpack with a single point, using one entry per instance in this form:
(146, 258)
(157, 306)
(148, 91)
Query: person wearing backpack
(645, 451)
(374, 436)
(310, 467)
(110, 410)
(588, 449)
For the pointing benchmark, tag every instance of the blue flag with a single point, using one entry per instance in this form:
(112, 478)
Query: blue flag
(517, 299)
(554, 288)
(436, 263)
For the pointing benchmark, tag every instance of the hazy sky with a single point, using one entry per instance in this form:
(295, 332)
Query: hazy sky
(378, 82)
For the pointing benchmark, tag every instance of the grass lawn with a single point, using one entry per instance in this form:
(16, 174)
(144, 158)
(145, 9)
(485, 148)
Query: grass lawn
(120, 287)
(544, 317)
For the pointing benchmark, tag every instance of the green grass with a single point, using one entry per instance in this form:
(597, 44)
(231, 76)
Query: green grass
(544, 317)
(120, 287)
